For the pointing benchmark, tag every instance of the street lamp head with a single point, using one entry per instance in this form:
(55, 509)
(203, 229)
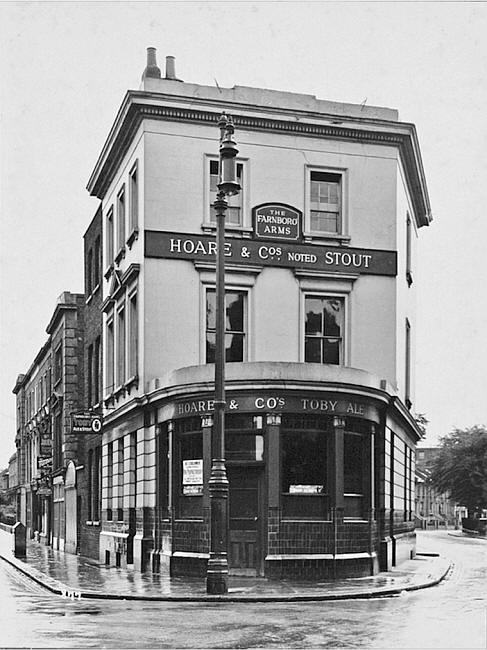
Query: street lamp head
(228, 184)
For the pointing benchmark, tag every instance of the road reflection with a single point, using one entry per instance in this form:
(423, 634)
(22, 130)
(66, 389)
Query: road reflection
(451, 615)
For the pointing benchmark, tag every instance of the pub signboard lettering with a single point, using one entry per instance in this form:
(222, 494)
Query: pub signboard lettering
(85, 423)
(172, 245)
(277, 221)
(319, 404)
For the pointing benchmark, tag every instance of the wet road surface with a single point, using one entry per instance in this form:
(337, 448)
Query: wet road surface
(451, 615)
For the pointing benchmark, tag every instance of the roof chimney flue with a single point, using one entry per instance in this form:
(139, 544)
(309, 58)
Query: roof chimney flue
(171, 68)
(151, 69)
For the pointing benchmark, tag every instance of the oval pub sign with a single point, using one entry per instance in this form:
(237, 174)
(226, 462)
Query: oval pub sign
(277, 221)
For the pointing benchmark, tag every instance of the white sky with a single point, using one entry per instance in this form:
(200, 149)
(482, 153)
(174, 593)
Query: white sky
(65, 67)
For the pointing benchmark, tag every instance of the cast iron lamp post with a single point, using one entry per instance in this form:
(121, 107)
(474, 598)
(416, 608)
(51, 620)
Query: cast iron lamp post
(217, 569)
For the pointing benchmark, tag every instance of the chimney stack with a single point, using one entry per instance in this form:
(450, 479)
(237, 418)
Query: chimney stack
(151, 69)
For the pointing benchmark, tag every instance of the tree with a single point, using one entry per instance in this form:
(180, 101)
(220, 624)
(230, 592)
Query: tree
(422, 422)
(460, 467)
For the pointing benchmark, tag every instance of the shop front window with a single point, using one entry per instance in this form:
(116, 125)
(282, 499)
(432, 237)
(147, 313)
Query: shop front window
(190, 469)
(244, 446)
(355, 462)
(304, 473)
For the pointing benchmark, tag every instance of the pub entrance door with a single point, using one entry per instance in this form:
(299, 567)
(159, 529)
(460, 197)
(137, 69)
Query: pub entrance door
(245, 519)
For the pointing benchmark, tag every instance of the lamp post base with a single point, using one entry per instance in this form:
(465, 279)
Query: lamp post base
(217, 575)
(217, 568)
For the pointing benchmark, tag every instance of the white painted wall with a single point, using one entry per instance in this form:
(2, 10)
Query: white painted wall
(172, 159)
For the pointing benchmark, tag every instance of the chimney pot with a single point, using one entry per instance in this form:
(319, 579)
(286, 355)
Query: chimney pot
(171, 68)
(151, 69)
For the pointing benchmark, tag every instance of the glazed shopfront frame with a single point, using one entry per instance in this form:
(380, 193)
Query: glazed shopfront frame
(302, 483)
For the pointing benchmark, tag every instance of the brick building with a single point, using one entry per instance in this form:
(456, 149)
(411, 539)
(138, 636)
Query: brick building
(48, 455)
(320, 327)
(89, 480)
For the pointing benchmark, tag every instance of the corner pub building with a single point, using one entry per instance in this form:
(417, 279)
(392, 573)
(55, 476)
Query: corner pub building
(320, 249)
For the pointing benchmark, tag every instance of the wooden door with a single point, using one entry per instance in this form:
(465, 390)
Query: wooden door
(245, 520)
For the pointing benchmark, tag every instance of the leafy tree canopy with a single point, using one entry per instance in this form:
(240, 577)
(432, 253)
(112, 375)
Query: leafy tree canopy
(422, 422)
(460, 467)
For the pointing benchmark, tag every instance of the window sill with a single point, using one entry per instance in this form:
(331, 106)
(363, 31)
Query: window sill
(119, 391)
(108, 272)
(92, 294)
(233, 230)
(322, 238)
(308, 520)
(133, 382)
(120, 255)
(109, 400)
(134, 235)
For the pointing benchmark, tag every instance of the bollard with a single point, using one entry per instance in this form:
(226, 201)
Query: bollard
(19, 539)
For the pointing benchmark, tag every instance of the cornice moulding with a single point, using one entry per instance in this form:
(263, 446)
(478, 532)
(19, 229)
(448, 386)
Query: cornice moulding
(139, 106)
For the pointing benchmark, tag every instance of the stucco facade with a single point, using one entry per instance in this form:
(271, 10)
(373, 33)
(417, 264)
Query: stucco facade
(320, 325)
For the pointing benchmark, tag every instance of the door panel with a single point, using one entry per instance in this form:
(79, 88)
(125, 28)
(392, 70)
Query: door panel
(244, 514)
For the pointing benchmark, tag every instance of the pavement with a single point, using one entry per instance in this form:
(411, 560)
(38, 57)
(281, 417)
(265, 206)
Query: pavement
(76, 577)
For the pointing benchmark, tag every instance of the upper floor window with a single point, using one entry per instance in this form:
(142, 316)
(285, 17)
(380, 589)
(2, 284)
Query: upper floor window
(409, 272)
(110, 237)
(324, 326)
(109, 357)
(96, 263)
(407, 363)
(121, 346)
(133, 336)
(234, 325)
(134, 198)
(234, 213)
(89, 272)
(58, 363)
(121, 219)
(90, 375)
(325, 202)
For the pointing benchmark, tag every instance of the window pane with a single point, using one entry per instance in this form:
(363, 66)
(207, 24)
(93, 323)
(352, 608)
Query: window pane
(234, 325)
(234, 347)
(304, 459)
(233, 214)
(353, 457)
(325, 194)
(312, 350)
(323, 329)
(313, 316)
(332, 315)
(210, 310)
(210, 347)
(243, 503)
(240, 446)
(331, 351)
(324, 221)
(234, 312)
(304, 465)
